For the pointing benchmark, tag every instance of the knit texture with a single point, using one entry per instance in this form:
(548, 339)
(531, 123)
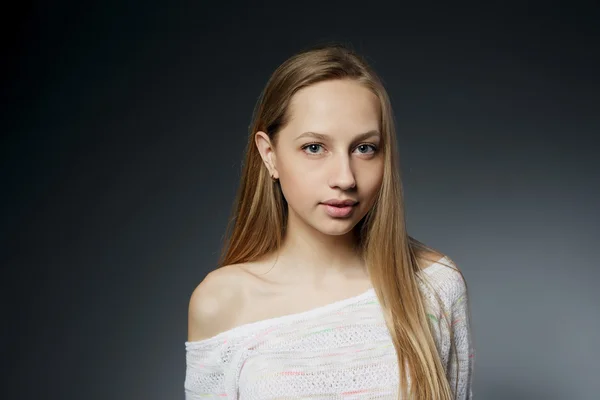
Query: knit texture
(342, 350)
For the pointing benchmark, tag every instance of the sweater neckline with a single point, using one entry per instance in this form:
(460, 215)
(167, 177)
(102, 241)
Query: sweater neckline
(222, 336)
(282, 318)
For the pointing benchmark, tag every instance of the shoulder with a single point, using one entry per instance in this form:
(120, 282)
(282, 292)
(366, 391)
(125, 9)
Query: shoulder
(447, 280)
(215, 303)
(428, 258)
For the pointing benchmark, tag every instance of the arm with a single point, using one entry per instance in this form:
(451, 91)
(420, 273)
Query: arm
(460, 370)
(207, 348)
(205, 372)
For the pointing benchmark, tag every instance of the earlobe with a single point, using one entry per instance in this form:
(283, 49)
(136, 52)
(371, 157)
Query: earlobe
(273, 163)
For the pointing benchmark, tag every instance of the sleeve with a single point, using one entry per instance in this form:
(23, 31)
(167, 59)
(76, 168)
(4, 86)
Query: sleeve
(461, 360)
(205, 371)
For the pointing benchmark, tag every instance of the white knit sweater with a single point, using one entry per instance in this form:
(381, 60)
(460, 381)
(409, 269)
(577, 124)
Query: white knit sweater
(342, 350)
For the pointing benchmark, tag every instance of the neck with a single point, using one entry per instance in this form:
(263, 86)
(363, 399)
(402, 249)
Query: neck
(313, 257)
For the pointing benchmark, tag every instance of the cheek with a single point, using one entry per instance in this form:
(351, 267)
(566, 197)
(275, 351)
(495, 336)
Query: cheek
(296, 185)
(370, 181)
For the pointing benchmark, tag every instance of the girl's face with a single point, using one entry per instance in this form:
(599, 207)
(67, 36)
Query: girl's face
(329, 151)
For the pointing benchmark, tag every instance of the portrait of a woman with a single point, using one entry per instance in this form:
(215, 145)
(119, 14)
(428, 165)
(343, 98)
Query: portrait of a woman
(321, 292)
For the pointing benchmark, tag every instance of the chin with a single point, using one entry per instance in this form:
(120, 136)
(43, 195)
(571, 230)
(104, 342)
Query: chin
(336, 227)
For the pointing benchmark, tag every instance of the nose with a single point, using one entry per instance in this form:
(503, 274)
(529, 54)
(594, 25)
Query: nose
(342, 175)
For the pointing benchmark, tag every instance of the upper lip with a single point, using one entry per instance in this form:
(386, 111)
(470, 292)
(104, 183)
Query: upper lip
(336, 202)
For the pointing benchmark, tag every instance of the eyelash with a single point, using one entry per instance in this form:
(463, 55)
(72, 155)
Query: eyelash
(319, 144)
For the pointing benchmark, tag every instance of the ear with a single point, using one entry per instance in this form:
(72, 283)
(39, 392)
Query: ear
(267, 152)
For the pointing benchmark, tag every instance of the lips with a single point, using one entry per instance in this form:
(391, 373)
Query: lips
(339, 208)
(340, 203)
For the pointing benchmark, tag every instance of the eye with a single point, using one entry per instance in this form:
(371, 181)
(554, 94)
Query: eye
(311, 146)
(365, 146)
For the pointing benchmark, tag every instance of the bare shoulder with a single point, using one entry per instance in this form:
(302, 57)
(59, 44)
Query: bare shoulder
(215, 303)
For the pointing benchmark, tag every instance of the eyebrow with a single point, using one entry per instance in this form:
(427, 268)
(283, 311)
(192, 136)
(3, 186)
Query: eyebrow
(322, 136)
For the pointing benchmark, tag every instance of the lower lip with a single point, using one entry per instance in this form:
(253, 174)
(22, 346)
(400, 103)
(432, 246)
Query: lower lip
(338, 212)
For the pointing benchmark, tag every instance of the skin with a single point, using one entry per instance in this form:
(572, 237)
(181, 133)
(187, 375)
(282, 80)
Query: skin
(318, 251)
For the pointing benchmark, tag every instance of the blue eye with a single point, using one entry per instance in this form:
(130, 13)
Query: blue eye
(367, 145)
(311, 146)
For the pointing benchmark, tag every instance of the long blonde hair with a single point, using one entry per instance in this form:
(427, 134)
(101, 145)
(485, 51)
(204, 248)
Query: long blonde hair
(259, 219)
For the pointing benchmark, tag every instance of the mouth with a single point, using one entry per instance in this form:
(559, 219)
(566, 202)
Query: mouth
(340, 203)
(339, 210)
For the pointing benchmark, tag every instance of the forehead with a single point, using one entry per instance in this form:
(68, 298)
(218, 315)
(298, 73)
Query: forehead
(334, 107)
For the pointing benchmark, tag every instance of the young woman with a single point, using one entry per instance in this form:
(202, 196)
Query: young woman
(320, 291)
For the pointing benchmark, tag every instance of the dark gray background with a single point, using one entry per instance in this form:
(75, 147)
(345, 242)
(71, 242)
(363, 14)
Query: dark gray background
(125, 125)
